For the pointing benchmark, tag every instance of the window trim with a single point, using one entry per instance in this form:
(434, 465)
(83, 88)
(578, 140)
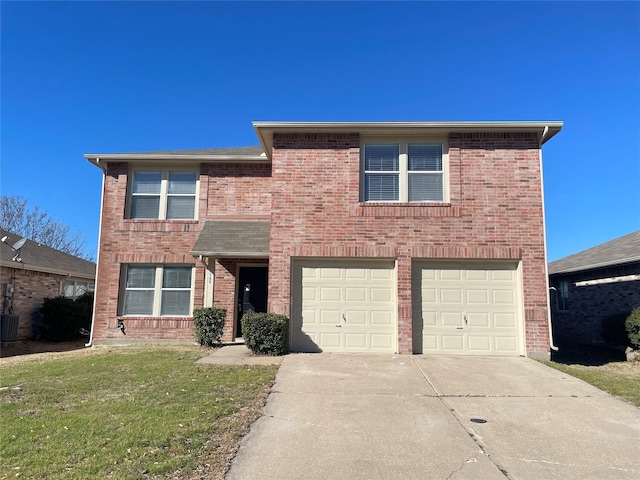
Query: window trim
(164, 190)
(91, 287)
(403, 144)
(157, 289)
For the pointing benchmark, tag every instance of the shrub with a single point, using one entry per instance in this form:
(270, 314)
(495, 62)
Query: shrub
(613, 328)
(209, 323)
(265, 333)
(63, 318)
(633, 328)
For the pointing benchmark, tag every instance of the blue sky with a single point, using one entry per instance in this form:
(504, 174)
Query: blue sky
(106, 77)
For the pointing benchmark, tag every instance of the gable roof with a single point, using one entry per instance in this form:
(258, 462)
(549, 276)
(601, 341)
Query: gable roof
(621, 250)
(41, 258)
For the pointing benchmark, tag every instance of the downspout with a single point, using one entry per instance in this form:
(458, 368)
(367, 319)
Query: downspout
(544, 234)
(95, 290)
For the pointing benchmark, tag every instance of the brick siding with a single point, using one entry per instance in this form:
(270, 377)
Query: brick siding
(590, 307)
(311, 192)
(31, 288)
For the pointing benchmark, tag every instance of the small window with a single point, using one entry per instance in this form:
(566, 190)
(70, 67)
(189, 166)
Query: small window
(404, 172)
(76, 288)
(157, 290)
(562, 295)
(163, 194)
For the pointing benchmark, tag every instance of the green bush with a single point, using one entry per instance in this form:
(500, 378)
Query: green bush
(633, 328)
(265, 333)
(63, 318)
(209, 323)
(614, 330)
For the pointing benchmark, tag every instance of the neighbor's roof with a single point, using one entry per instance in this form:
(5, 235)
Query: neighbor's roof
(241, 239)
(622, 250)
(41, 258)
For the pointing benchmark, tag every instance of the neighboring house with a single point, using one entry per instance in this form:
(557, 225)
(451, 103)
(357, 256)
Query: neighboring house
(36, 272)
(592, 286)
(371, 237)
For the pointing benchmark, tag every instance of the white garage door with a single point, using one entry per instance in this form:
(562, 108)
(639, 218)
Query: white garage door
(344, 306)
(468, 308)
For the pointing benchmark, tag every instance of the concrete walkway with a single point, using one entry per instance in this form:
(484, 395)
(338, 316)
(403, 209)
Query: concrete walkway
(237, 354)
(436, 417)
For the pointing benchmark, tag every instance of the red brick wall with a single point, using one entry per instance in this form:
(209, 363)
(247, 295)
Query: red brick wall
(163, 242)
(495, 211)
(31, 288)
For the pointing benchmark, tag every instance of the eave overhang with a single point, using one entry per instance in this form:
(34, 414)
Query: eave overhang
(101, 159)
(265, 130)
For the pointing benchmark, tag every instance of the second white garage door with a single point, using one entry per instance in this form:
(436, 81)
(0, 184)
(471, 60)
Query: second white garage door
(470, 308)
(344, 306)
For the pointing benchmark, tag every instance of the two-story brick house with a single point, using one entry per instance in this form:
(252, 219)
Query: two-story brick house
(372, 237)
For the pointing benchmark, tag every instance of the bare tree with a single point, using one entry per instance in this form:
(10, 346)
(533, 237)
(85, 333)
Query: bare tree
(37, 225)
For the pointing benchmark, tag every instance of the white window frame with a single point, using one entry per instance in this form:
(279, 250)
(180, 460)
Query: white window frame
(157, 289)
(404, 172)
(164, 189)
(562, 296)
(79, 287)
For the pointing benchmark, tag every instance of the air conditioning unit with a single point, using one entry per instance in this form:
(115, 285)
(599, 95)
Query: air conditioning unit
(9, 327)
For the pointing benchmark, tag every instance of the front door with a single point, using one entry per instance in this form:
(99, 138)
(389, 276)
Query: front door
(252, 292)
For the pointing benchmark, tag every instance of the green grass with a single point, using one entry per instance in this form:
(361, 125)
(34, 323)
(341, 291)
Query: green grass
(620, 379)
(121, 413)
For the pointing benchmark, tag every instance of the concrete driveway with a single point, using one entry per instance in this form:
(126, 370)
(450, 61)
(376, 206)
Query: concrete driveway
(341, 416)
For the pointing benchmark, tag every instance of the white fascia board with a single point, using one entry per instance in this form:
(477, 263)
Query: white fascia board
(97, 159)
(265, 130)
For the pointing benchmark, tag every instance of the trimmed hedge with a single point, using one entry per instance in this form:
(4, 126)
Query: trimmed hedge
(209, 323)
(266, 333)
(63, 318)
(633, 328)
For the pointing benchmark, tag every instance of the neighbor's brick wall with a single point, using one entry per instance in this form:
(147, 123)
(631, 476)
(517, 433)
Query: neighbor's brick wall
(590, 306)
(31, 288)
(165, 242)
(495, 211)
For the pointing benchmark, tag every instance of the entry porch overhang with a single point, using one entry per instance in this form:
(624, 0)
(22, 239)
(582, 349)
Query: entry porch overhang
(233, 239)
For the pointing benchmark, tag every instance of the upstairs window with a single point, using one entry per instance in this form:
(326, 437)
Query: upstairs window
(163, 195)
(404, 172)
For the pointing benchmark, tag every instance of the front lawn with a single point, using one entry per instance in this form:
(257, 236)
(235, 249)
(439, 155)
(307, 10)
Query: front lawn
(126, 413)
(620, 379)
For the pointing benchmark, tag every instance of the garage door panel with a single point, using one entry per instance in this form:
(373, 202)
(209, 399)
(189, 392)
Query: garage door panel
(505, 320)
(451, 296)
(381, 342)
(330, 340)
(451, 319)
(355, 341)
(330, 294)
(385, 295)
(452, 343)
(429, 318)
(478, 319)
(479, 344)
(486, 294)
(356, 317)
(353, 305)
(382, 318)
(356, 294)
(478, 297)
(505, 297)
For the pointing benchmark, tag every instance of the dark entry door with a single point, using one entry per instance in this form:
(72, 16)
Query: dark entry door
(252, 292)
